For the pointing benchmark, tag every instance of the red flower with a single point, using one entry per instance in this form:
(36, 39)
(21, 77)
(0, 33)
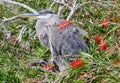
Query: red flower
(98, 38)
(64, 24)
(103, 45)
(115, 19)
(105, 23)
(76, 63)
(118, 61)
(48, 67)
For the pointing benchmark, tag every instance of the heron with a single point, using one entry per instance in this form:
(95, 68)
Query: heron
(64, 42)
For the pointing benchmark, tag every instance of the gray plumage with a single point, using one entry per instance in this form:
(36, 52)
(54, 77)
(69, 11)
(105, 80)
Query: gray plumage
(61, 42)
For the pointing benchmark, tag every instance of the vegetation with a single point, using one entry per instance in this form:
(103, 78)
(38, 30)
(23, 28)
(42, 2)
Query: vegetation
(101, 66)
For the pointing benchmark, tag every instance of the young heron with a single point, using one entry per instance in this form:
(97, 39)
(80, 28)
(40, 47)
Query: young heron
(64, 44)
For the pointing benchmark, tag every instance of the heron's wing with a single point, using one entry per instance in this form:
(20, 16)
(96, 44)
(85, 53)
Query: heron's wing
(44, 39)
(82, 32)
(67, 41)
(42, 33)
(73, 41)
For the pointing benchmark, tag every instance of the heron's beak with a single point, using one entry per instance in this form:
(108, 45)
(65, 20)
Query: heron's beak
(34, 16)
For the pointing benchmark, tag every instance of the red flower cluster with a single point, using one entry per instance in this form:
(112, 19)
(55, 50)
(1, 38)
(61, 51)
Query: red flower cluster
(98, 38)
(102, 43)
(76, 63)
(105, 23)
(48, 67)
(64, 24)
(118, 61)
(115, 19)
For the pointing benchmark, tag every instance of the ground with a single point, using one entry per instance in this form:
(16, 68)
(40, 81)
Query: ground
(101, 64)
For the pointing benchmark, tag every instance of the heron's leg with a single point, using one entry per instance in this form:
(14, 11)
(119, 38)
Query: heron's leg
(52, 59)
(62, 63)
(52, 52)
(50, 44)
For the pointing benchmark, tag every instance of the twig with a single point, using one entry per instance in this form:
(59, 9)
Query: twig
(80, 23)
(80, 5)
(96, 77)
(22, 5)
(21, 32)
(100, 3)
(93, 2)
(15, 17)
(77, 6)
(72, 10)
(8, 19)
(62, 3)
(19, 4)
(70, 14)
(60, 8)
(51, 5)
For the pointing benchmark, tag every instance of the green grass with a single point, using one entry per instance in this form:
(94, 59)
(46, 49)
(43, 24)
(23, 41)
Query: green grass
(101, 68)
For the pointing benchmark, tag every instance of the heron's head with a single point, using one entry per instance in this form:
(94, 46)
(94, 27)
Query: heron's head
(44, 14)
